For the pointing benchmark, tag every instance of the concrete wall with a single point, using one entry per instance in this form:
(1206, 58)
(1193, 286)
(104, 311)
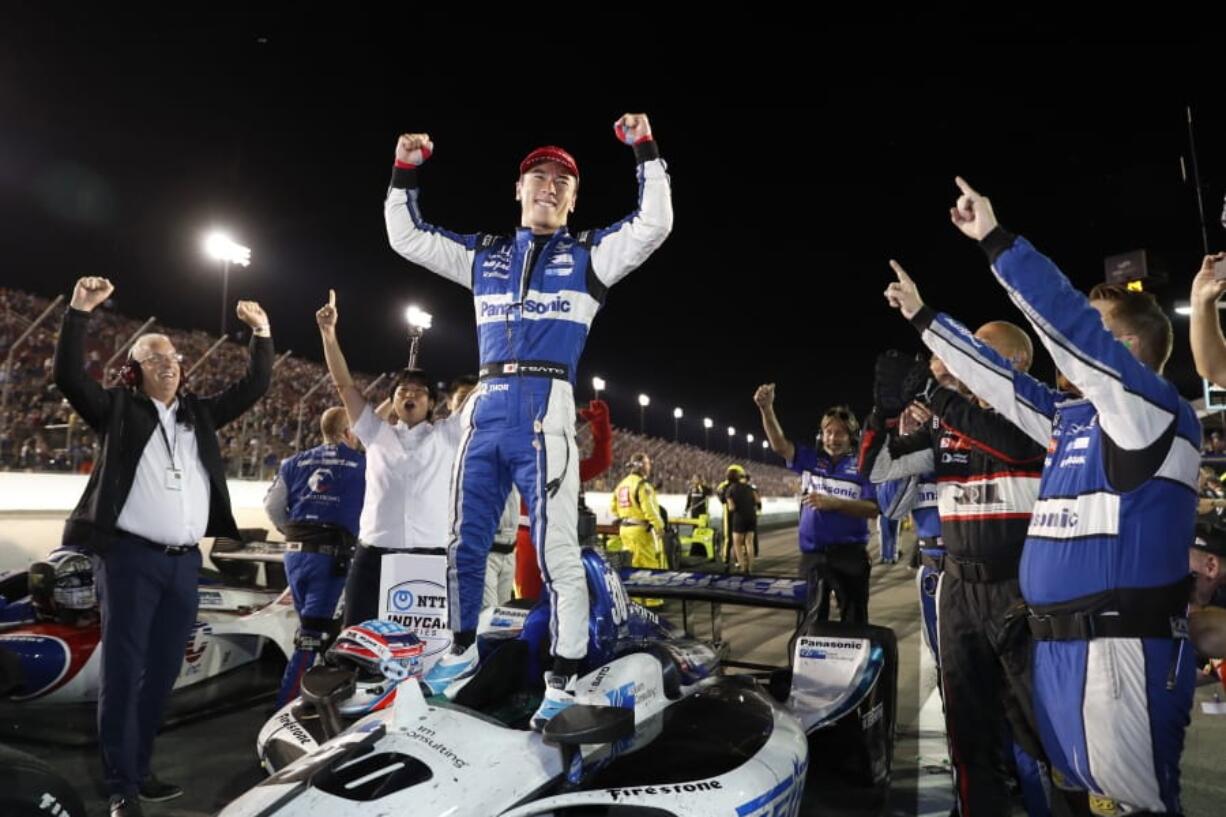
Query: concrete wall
(33, 508)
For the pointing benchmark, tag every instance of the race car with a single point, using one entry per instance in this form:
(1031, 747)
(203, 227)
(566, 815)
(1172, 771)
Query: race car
(698, 538)
(657, 728)
(29, 787)
(236, 649)
(368, 652)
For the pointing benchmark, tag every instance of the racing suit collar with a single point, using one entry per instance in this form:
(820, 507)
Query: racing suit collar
(524, 235)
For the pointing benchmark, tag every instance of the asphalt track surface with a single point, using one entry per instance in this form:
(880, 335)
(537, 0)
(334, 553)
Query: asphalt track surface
(214, 759)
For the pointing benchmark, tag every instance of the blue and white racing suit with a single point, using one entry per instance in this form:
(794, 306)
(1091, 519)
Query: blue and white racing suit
(535, 298)
(316, 501)
(1105, 564)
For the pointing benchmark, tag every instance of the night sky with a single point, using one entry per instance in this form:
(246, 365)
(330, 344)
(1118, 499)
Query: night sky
(803, 156)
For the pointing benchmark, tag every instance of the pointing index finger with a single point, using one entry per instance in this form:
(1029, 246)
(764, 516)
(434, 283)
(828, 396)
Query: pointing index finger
(899, 271)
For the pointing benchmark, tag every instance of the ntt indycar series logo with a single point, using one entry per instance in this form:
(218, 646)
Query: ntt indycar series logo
(530, 307)
(421, 606)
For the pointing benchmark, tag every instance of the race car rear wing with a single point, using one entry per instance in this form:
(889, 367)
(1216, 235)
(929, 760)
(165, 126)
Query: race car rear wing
(761, 591)
(273, 552)
(775, 592)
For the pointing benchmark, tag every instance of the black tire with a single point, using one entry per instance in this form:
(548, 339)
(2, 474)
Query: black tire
(672, 549)
(31, 788)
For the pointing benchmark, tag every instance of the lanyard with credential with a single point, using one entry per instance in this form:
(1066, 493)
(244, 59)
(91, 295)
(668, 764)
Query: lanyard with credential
(171, 447)
(174, 477)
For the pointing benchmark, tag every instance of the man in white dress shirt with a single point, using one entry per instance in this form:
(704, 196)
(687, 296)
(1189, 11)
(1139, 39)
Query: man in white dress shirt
(408, 471)
(158, 488)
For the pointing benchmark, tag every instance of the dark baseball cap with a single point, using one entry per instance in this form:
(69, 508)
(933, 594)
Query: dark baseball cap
(1211, 535)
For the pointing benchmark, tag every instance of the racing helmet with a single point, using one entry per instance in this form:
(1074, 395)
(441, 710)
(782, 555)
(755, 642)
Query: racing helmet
(382, 654)
(63, 582)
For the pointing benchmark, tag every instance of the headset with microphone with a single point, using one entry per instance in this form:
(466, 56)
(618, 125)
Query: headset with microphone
(131, 376)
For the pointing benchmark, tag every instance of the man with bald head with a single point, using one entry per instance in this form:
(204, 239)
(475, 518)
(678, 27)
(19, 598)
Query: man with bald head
(316, 501)
(986, 472)
(1010, 341)
(1104, 571)
(159, 488)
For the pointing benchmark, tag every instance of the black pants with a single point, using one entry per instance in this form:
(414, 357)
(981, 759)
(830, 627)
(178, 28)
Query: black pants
(149, 601)
(842, 570)
(985, 676)
(362, 585)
